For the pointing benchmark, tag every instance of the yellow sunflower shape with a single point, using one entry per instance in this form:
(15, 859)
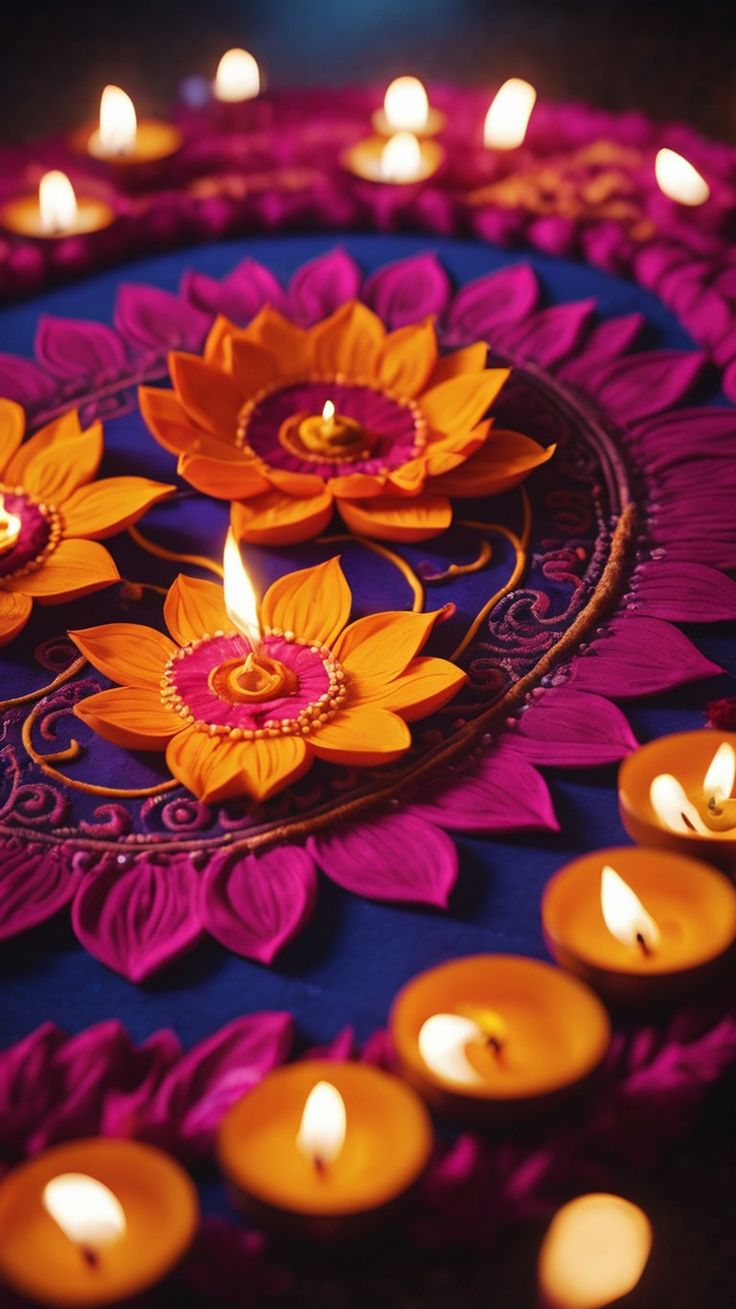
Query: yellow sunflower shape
(246, 716)
(291, 422)
(53, 514)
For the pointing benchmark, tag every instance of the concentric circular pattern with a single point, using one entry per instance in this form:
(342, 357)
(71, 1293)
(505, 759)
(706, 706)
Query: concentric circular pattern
(200, 684)
(40, 532)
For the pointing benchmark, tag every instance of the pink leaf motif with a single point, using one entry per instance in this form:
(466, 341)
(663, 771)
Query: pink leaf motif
(395, 857)
(140, 919)
(27, 1091)
(571, 729)
(500, 792)
(549, 336)
(24, 382)
(255, 904)
(638, 657)
(692, 434)
(81, 1070)
(36, 881)
(322, 285)
(607, 340)
(238, 296)
(408, 290)
(158, 320)
(482, 307)
(72, 349)
(685, 593)
(635, 387)
(698, 528)
(126, 1104)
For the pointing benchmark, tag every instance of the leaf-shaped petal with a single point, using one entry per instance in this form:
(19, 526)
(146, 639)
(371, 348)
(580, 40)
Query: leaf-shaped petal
(239, 296)
(77, 350)
(155, 319)
(637, 657)
(24, 382)
(396, 857)
(491, 302)
(322, 285)
(500, 792)
(36, 881)
(571, 729)
(194, 608)
(642, 384)
(408, 290)
(313, 602)
(255, 904)
(685, 593)
(550, 335)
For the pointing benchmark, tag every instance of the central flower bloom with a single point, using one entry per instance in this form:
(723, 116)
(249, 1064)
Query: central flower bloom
(405, 430)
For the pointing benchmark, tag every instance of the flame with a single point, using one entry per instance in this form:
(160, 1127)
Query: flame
(322, 1129)
(401, 158)
(673, 806)
(721, 774)
(118, 123)
(240, 598)
(443, 1041)
(677, 179)
(594, 1253)
(57, 203)
(86, 1210)
(508, 115)
(406, 105)
(237, 77)
(625, 915)
(328, 415)
(10, 525)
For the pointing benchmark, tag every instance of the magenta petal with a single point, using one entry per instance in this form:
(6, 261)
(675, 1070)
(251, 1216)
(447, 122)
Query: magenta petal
(500, 792)
(73, 349)
(24, 382)
(140, 919)
(395, 857)
(159, 320)
(570, 729)
(694, 434)
(637, 657)
(36, 881)
(607, 340)
(549, 336)
(238, 296)
(492, 302)
(27, 1088)
(254, 904)
(685, 593)
(126, 1104)
(408, 290)
(322, 285)
(81, 1070)
(639, 385)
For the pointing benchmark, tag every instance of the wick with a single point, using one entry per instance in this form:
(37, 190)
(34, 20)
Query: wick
(320, 1167)
(643, 943)
(90, 1256)
(687, 822)
(714, 808)
(495, 1045)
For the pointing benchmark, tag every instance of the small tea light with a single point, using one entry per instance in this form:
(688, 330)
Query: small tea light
(55, 211)
(679, 180)
(640, 925)
(497, 1036)
(121, 138)
(323, 1148)
(677, 792)
(594, 1254)
(94, 1222)
(507, 119)
(402, 160)
(237, 78)
(406, 108)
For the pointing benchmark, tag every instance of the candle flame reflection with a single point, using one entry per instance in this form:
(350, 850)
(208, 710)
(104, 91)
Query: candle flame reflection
(625, 915)
(10, 525)
(86, 1210)
(237, 77)
(595, 1252)
(118, 123)
(240, 597)
(323, 1126)
(678, 180)
(401, 158)
(508, 115)
(406, 105)
(721, 775)
(57, 203)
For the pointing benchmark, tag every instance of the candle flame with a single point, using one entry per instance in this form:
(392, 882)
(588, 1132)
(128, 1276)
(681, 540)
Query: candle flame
(240, 597)
(625, 915)
(721, 775)
(508, 115)
(678, 180)
(86, 1210)
(237, 77)
(118, 123)
(401, 158)
(674, 808)
(10, 525)
(443, 1040)
(322, 1129)
(57, 203)
(328, 413)
(406, 105)
(595, 1252)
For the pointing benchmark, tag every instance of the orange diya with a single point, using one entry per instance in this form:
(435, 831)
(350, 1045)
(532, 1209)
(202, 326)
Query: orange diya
(55, 211)
(121, 138)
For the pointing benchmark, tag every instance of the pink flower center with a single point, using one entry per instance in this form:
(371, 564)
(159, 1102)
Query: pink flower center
(25, 546)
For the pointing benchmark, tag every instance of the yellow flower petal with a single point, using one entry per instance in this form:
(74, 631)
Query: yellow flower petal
(227, 479)
(396, 518)
(15, 610)
(194, 608)
(216, 768)
(348, 342)
(288, 343)
(75, 568)
(271, 764)
(250, 366)
(471, 359)
(104, 508)
(53, 472)
(408, 479)
(357, 486)
(503, 461)
(127, 653)
(12, 427)
(169, 422)
(408, 357)
(53, 433)
(219, 334)
(460, 403)
(301, 485)
(361, 735)
(425, 686)
(378, 648)
(314, 603)
(209, 396)
(277, 519)
(131, 716)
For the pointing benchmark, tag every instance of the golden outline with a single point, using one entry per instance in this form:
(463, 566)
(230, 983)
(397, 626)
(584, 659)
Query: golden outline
(198, 561)
(406, 570)
(520, 544)
(72, 752)
(58, 681)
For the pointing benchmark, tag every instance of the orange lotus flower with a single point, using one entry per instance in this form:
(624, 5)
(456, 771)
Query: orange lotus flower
(291, 422)
(235, 719)
(53, 514)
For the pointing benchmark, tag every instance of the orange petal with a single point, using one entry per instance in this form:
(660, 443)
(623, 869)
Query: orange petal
(377, 648)
(408, 479)
(408, 357)
(314, 603)
(348, 342)
(503, 461)
(460, 403)
(60, 430)
(54, 472)
(393, 518)
(12, 427)
(227, 479)
(357, 486)
(73, 569)
(270, 765)
(425, 686)
(462, 443)
(219, 334)
(209, 396)
(277, 519)
(471, 359)
(131, 716)
(288, 343)
(104, 508)
(15, 610)
(127, 653)
(168, 420)
(194, 608)
(250, 366)
(362, 736)
(300, 485)
(216, 768)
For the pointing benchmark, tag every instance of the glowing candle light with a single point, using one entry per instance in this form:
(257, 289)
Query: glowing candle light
(720, 776)
(57, 203)
(86, 1210)
(406, 105)
(240, 598)
(328, 417)
(121, 138)
(595, 1252)
(508, 116)
(679, 811)
(445, 1041)
(679, 180)
(625, 915)
(237, 78)
(118, 127)
(323, 1127)
(401, 159)
(677, 791)
(673, 806)
(55, 211)
(10, 525)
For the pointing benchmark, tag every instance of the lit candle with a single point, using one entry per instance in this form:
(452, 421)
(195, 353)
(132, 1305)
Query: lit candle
(406, 108)
(401, 160)
(240, 598)
(237, 77)
(94, 1222)
(595, 1253)
(497, 1036)
(325, 1148)
(55, 211)
(677, 792)
(508, 116)
(640, 925)
(679, 180)
(121, 137)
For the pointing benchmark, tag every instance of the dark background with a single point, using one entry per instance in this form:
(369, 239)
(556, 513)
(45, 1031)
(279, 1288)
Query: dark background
(669, 58)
